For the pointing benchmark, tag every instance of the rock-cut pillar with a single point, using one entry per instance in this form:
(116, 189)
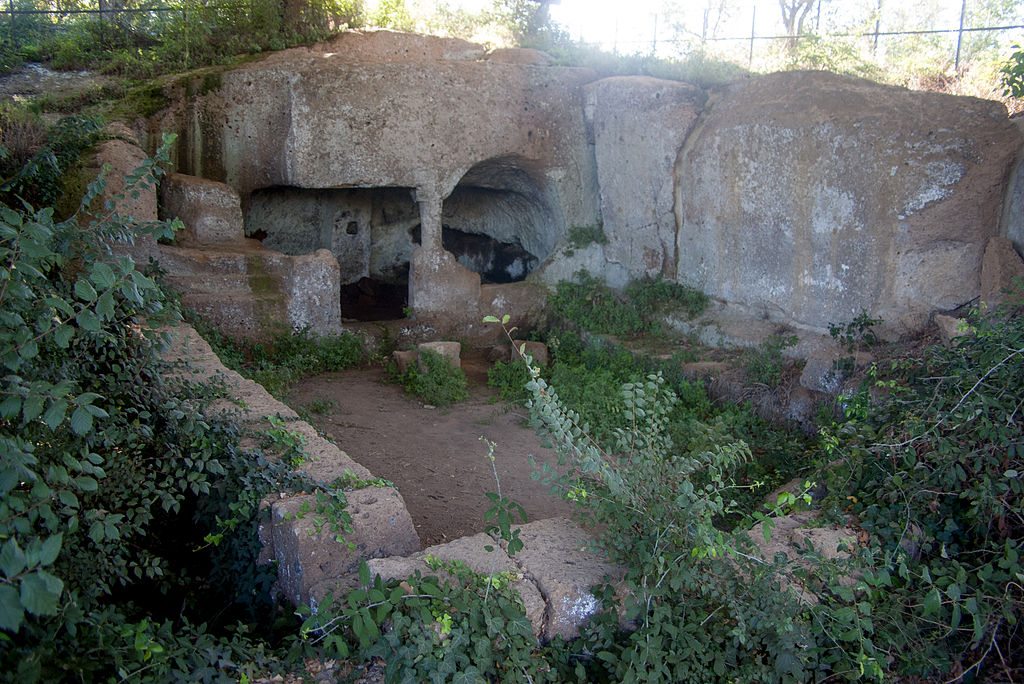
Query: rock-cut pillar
(438, 284)
(430, 219)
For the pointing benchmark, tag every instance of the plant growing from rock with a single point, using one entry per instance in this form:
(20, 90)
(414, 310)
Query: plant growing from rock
(109, 475)
(700, 602)
(433, 379)
(593, 306)
(763, 364)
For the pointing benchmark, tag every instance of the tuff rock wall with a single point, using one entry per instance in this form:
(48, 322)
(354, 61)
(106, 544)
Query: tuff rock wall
(800, 198)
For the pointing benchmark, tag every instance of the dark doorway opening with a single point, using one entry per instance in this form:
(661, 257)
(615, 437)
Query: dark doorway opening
(370, 299)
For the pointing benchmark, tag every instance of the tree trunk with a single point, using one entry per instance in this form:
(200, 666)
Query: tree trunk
(793, 14)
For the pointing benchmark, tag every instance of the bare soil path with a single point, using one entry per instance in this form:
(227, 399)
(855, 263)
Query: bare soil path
(435, 457)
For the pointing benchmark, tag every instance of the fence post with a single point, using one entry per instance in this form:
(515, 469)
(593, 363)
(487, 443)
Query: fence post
(960, 35)
(11, 25)
(753, 25)
(654, 39)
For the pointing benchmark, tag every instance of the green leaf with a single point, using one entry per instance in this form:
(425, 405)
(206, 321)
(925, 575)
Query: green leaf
(364, 574)
(68, 498)
(85, 291)
(105, 306)
(54, 415)
(102, 275)
(40, 593)
(86, 483)
(11, 612)
(932, 602)
(81, 421)
(87, 320)
(12, 558)
(32, 407)
(51, 549)
(10, 407)
(96, 532)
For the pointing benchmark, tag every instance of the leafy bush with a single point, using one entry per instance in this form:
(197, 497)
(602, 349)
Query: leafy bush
(288, 357)
(32, 172)
(509, 378)
(593, 306)
(933, 473)
(763, 364)
(433, 379)
(464, 627)
(701, 602)
(109, 476)
(652, 295)
(583, 236)
(1013, 74)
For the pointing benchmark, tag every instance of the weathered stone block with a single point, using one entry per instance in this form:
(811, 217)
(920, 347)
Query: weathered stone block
(555, 555)
(1000, 267)
(307, 550)
(450, 351)
(640, 124)
(538, 351)
(950, 328)
(473, 553)
(211, 211)
(441, 285)
(402, 359)
(811, 197)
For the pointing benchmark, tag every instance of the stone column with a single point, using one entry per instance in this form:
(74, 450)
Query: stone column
(429, 202)
(438, 284)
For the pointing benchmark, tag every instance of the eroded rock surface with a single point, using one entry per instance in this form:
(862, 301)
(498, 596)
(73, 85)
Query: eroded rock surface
(799, 198)
(809, 197)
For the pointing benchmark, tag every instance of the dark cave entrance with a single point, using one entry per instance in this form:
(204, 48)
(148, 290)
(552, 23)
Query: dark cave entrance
(499, 222)
(369, 231)
(370, 299)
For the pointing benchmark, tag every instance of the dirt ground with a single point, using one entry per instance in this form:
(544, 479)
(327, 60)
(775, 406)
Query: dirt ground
(435, 457)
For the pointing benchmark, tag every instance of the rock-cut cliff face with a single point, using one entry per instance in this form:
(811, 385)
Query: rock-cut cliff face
(426, 163)
(813, 197)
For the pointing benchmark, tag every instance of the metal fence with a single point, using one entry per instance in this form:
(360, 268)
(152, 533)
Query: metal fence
(113, 17)
(666, 35)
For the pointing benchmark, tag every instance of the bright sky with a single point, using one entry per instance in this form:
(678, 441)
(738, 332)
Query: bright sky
(630, 26)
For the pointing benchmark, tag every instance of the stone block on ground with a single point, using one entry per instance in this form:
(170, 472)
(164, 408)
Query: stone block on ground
(949, 328)
(556, 557)
(538, 351)
(452, 351)
(210, 211)
(1000, 266)
(793, 533)
(471, 551)
(308, 553)
(402, 359)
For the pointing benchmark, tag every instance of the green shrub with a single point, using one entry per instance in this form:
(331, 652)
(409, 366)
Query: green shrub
(110, 478)
(509, 378)
(433, 379)
(584, 236)
(466, 627)
(288, 357)
(933, 472)
(595, 307)
(763, 364)
(1013, 74)
(37, 178)
(656, 295)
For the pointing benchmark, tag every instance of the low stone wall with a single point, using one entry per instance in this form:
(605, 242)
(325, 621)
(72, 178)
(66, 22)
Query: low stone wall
(555, 570)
